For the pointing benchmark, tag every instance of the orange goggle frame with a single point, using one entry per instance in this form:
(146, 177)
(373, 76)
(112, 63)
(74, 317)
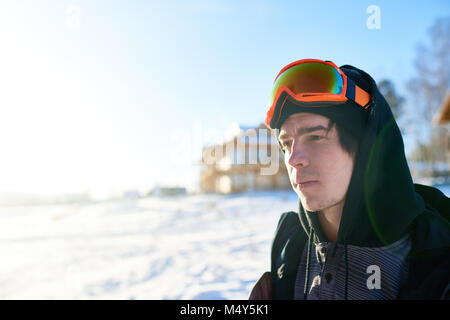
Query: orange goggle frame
(312, 83)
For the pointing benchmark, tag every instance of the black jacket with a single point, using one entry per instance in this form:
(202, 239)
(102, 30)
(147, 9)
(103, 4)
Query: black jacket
(382, 205)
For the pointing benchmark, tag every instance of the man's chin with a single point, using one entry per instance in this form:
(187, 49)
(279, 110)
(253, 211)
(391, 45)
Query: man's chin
(307, 205)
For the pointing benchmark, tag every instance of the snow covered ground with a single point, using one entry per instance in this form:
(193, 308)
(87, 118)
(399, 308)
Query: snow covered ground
(190, 247)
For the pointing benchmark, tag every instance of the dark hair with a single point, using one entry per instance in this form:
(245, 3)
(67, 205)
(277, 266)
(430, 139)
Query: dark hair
(347, 140)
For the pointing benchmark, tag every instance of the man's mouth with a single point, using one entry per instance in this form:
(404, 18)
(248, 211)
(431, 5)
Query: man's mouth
(307, 184)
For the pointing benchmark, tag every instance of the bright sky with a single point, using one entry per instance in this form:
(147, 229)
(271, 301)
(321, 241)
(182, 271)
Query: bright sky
(101, 96)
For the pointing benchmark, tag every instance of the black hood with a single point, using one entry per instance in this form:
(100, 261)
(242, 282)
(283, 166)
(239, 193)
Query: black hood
(381, 203)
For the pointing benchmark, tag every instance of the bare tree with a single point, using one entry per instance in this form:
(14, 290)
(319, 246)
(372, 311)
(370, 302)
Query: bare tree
(432, 63)
(428, 89)
(394, 100)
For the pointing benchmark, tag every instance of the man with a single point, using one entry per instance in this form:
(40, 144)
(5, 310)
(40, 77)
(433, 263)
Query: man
(363, 230)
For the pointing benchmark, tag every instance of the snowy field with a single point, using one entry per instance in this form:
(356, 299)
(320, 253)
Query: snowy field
(191, 247)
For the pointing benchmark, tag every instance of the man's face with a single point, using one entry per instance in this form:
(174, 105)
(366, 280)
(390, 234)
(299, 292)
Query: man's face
(314, 154)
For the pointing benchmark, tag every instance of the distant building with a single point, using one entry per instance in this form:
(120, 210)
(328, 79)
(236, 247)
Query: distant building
(442, 122)
(438, 169)
(443, 115)
(238, 165)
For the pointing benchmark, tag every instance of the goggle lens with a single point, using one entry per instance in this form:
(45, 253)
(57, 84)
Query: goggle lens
(309, 78)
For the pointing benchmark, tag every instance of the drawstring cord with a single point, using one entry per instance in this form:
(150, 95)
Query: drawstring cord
(346, 269)
(308, 259)
(305, 287)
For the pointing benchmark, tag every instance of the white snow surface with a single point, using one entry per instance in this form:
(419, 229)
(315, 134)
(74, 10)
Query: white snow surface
(189, 247)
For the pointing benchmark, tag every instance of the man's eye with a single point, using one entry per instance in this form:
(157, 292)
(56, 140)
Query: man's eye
(286, 144)
(316, 137)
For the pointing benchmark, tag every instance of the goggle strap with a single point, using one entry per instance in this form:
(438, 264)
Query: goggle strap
(350, 94)
(357, 94)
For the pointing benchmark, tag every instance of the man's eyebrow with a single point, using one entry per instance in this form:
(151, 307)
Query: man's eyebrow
(302, 131)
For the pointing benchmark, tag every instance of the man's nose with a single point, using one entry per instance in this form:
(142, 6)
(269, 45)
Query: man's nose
(298, 156)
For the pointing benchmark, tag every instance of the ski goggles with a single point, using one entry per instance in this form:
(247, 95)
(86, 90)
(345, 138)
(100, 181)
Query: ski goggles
(312, 83)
